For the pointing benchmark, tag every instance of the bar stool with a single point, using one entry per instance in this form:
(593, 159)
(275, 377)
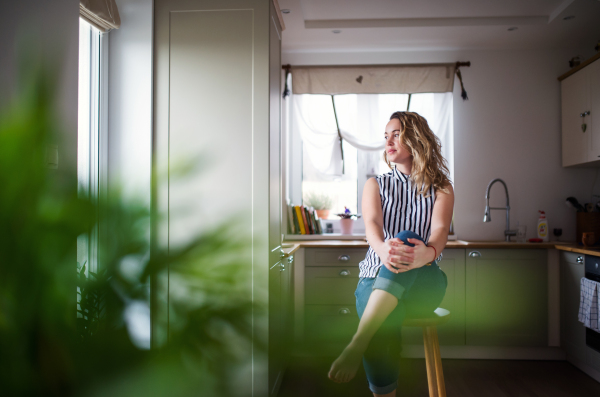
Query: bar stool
(433, 360)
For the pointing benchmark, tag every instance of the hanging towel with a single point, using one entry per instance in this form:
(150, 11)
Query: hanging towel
(589, 303)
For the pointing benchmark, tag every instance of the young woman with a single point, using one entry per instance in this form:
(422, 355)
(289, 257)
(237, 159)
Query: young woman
(407, 214)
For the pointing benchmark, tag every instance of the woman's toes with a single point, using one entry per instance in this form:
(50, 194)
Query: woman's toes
(331, 375)
(347, 377)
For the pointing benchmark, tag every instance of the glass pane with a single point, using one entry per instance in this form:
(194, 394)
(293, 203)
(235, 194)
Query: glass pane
(83, 128)
(83, 131)
(342, 190)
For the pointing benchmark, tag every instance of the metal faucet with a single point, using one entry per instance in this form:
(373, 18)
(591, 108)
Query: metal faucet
(488, 218)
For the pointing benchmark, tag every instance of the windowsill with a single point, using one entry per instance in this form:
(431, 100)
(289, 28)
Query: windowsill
(324, 236)
(357, 229)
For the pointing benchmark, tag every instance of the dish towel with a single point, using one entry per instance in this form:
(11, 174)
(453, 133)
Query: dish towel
(589, 303)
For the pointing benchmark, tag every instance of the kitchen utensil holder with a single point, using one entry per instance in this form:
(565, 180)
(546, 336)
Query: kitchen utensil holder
(587, 222)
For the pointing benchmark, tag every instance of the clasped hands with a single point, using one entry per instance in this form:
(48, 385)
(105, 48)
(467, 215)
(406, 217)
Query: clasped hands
(400, 257)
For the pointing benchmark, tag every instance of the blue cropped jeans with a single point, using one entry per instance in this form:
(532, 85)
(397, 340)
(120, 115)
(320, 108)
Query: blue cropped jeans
(419, 292)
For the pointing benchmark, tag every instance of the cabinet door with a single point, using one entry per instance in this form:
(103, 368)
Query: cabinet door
(507, 297)
(274, 136)
(594, 127)
(575, 100)
(280, 320)
(329, 326)
(345, 257)
(287, 304)
(572, 333)
(275, 325)
(330, 285)
(453, 332)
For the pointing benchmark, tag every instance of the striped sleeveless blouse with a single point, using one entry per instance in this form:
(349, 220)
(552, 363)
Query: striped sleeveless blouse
(402, 210)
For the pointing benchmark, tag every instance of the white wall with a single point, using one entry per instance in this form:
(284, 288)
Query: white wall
(130, 100)
(52, 26)
(129, 156)
(509, 128)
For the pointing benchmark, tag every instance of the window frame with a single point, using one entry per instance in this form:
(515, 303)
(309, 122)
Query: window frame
(293, 163)
(94, 185)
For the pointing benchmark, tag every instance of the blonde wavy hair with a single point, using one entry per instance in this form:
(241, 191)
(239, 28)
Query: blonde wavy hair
(429, 168)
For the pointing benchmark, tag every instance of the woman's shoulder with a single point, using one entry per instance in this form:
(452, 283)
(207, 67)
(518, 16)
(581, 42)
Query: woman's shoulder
(378, 182)
(446, 189)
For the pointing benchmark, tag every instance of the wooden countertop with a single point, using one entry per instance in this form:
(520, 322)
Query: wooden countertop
(580, 249)
(289, 247)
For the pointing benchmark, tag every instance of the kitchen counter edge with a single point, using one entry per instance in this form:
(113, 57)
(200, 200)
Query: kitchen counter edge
(289, 247)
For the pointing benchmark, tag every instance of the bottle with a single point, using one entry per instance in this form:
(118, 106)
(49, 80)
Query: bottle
(542, 227)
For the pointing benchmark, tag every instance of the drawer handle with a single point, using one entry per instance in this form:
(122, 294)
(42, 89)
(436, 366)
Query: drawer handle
(580, 259)
(344, 311)
(475, 254)
(281, 267)
(344, 258)
(344, 273)
(290, 259)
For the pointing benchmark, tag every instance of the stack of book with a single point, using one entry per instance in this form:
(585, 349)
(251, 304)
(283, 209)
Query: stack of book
(303, 220)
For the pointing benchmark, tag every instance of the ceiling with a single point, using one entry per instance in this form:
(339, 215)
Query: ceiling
(402, 25)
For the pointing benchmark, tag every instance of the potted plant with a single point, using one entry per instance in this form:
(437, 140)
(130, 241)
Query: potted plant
(321, 202)
(347, 220)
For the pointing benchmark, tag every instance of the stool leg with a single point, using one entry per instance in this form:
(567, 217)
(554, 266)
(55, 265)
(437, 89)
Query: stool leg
(438, 363)
(430, 362)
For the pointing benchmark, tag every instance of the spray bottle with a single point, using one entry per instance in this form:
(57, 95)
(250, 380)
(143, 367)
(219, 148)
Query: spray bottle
(542, 227)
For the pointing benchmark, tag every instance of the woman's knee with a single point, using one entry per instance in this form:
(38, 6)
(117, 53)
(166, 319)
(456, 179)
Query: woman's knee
(406, 234)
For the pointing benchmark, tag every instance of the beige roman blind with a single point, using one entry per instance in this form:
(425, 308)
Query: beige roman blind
(373, 79)
(102, 14)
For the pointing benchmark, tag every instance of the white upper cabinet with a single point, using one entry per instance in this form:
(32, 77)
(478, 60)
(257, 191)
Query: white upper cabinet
(575, 98)
(594, 109)
(580, 96)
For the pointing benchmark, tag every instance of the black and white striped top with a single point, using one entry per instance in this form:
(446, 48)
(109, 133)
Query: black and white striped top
(402, 210)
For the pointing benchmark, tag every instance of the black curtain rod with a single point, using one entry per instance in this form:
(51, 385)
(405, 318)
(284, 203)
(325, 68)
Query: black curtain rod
(457, 64)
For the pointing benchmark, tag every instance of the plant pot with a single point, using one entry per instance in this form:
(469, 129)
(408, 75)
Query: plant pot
(323, 214)
(347, 225)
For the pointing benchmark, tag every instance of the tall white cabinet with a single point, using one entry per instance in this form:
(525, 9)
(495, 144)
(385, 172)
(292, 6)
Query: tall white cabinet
(580, 98)
(217, 74)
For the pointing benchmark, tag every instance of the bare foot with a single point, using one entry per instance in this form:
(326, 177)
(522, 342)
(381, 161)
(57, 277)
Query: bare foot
(345, 366)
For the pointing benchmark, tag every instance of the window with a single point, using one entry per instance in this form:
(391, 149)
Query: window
(362, 119)
(89, 130)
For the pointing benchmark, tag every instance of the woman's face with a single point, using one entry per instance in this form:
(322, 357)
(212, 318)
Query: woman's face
(395, 150)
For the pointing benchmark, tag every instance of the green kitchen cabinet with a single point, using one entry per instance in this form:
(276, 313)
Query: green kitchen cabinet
(280, 320)
(572, 332)
(331, 276)
(506, 297)
(453, 332)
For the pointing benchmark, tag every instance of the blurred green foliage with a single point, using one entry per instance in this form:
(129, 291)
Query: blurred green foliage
(67, 331)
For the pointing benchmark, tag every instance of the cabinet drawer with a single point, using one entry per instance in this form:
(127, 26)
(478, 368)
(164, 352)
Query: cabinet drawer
(334, 256)
(330, 285)
(330, 323)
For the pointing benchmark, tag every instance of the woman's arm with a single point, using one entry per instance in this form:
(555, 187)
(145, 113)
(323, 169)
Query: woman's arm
(388, 251)
(440, 227)
(441, 219)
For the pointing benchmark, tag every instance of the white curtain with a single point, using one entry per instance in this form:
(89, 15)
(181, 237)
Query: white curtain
(362, 119)
(102, 14)
(313, 119)
(437, 110)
